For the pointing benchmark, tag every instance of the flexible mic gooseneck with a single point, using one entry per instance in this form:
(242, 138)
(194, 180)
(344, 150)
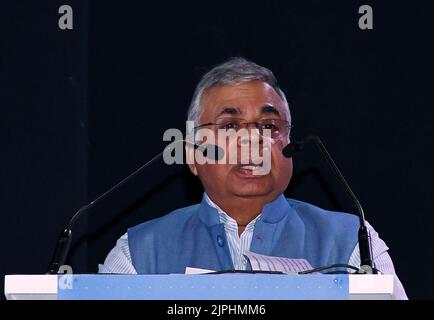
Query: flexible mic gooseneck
(366, 265)
(211, 151)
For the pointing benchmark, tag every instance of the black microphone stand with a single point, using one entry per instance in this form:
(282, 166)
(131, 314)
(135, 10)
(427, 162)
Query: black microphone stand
(64, 242)
(366, 264)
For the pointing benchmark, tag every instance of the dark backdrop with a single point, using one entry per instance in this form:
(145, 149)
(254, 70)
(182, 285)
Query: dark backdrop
(80, 109)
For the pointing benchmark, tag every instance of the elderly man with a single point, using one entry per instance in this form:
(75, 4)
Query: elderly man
(241, 211)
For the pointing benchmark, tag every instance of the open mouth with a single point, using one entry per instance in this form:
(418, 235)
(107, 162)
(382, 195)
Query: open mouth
(250, 167)
(250, 170)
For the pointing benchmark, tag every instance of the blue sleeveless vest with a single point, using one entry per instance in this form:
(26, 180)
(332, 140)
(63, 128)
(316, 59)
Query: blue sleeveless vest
(194, 237)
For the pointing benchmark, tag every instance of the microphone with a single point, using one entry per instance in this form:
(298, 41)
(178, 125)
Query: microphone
(210, 151)
(366, 265)
(292, 149)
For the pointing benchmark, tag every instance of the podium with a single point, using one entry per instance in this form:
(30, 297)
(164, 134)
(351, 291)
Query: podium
(198, 287)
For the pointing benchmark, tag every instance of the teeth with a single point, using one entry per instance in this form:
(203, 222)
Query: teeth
(250, 167)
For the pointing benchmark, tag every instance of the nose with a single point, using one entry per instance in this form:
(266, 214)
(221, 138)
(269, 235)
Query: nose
(250, 143)
(250, 136)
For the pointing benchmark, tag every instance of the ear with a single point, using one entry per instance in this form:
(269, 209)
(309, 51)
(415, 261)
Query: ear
(190, 152)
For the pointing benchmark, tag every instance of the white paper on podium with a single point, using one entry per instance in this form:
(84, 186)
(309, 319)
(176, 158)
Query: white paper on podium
(261, 262)
(191, 270)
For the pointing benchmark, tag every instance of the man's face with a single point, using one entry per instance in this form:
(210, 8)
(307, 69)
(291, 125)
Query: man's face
(251, 101)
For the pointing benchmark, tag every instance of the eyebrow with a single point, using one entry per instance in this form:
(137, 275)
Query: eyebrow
(229, 110)
(269, 109)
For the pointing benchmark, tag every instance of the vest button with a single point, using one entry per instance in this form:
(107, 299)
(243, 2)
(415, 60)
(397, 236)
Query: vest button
(220, 241)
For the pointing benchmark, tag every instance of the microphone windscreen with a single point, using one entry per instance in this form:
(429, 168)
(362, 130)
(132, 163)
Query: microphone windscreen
(213, 152)
(291, 149)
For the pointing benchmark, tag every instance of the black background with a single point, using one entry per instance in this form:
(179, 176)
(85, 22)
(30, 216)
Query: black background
(82, 108)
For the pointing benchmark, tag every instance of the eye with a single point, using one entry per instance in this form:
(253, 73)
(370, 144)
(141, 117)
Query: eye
(269, 126)
(229, 125)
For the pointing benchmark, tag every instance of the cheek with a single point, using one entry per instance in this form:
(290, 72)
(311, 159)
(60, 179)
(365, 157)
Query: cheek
(287, 167)
(212, 172)
(282, 166)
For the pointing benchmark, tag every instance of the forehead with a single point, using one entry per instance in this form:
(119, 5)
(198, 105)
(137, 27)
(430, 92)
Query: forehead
(248, 98)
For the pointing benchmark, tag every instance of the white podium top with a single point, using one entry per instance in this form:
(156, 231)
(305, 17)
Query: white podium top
(46, 287)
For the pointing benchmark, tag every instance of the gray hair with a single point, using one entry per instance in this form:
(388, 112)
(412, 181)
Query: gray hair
(233, 72)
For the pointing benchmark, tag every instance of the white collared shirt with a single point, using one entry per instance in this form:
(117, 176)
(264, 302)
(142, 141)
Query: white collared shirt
(119, 259)
(238, 244)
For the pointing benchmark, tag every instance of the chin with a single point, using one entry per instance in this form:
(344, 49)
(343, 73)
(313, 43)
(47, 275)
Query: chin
(251, 189)
(251, 195)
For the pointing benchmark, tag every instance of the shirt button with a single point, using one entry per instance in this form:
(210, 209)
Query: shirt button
(220, 241)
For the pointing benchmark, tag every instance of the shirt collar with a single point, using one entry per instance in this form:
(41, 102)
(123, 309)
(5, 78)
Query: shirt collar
(273, 212)
(228, 221)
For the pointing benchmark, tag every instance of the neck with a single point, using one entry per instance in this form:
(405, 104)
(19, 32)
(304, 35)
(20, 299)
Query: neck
(242, 210)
